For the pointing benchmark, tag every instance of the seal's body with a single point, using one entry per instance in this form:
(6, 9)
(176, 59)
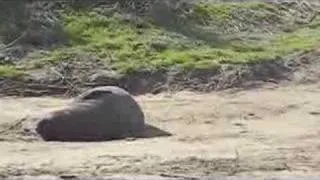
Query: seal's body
(102, 113)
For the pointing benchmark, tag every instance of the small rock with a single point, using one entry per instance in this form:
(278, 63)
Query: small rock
(7, 58)
(104, 76)
(2, 56)
(315, 113)
(43, 76)
(238, 124)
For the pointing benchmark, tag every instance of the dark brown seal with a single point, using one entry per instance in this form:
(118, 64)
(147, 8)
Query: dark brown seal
(102, 113)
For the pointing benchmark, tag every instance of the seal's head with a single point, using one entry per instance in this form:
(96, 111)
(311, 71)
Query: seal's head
(44, 128)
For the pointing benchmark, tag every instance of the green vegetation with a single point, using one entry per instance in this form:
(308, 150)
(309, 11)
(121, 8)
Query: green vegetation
(124, 47)
(10, 71)
(223, 12)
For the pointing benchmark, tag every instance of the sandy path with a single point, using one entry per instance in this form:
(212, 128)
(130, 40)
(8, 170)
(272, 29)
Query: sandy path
(257, 132)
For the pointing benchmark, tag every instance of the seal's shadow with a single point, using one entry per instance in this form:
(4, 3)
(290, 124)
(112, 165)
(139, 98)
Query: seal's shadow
(152, 132)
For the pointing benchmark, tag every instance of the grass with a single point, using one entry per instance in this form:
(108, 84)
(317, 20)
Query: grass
(219, 13)
(8, 71)
(126, 48)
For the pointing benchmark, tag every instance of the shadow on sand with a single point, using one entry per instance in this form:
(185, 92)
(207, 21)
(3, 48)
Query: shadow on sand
(152, 132)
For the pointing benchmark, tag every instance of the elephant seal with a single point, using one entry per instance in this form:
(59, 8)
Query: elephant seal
(101, 113)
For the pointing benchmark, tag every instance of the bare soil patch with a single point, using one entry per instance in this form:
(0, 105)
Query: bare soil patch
(265, 131)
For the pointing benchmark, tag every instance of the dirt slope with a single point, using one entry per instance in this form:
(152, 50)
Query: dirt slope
(200, 46)
(267, 131)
